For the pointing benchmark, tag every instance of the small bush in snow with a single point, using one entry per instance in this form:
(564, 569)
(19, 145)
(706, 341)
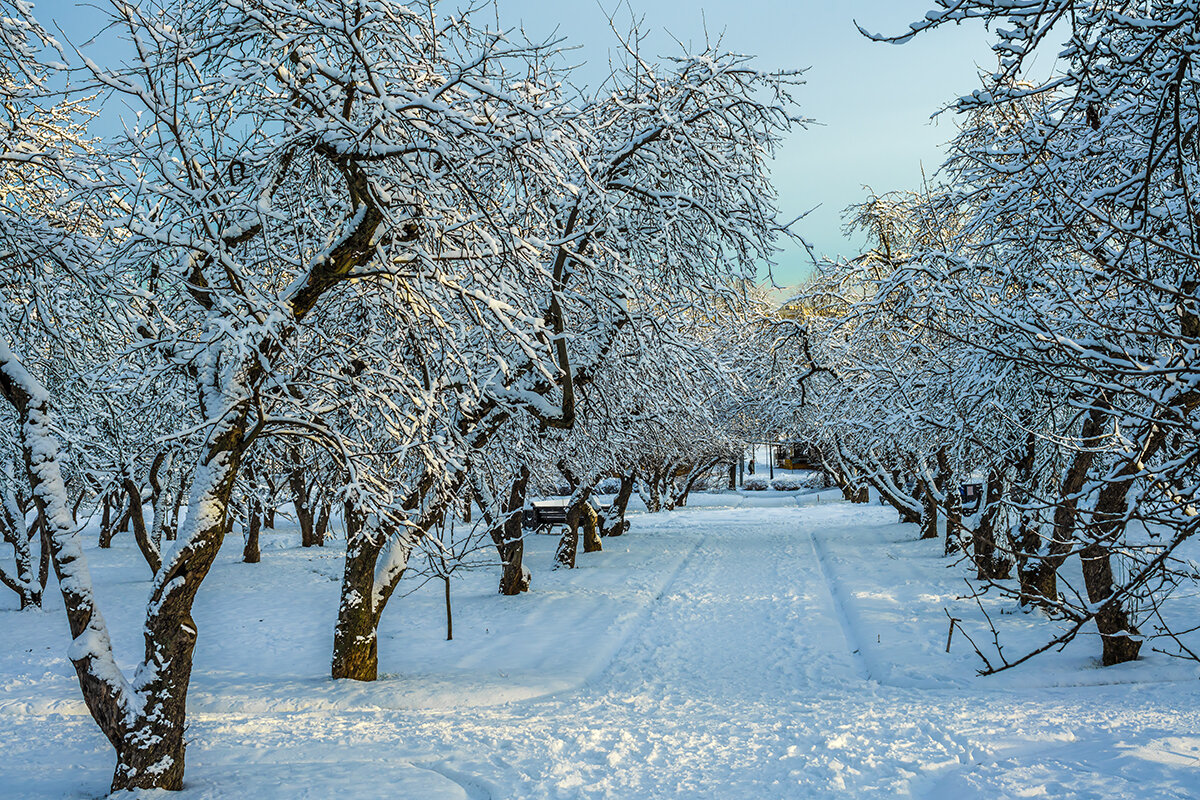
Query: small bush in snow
(813, 480)
(755, 484)
(608, 486)
(786, 484)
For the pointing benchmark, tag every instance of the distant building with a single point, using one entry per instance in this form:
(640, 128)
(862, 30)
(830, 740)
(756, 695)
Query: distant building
(797, 455)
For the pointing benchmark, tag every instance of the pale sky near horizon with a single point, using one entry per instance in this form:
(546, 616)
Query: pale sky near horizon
(871, 103)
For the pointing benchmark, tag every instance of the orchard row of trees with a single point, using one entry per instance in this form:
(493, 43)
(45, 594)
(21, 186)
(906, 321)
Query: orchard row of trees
(359, 256)
(1032, 323)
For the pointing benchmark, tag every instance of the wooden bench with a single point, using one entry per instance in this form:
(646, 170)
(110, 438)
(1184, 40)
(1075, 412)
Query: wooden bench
(543, 515)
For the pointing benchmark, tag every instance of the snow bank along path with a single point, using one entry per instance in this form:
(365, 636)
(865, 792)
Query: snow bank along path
(746, 647)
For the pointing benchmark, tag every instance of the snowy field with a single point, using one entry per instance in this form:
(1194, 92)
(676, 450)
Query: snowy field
(755, 645)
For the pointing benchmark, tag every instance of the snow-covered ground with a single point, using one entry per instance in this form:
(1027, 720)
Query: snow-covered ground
(752, 645)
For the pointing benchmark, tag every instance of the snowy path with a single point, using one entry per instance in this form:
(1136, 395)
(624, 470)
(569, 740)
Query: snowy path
(780, 652)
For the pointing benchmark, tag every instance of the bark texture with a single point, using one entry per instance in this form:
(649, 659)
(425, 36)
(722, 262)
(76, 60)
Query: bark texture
(509, 538)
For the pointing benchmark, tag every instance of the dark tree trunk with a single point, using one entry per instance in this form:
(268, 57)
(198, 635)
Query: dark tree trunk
(251, 554)
(579, 513)
(1038, 578)
(20, 538)
(564, 556)
(355, 639)
(1120, 641)
(106, 529)
(269, 509)
(509, 539)
(952, 502)
(321, 526)
(151, 752)
(1118, 635)
(652, 490)
(883, 483)
(367, 585)
(614, 520)
(300, 501)
(172, 530)
(887, 486)
(449, 610)
(690, 483)
(158, 498)
(1026, 540)
(44, 558)
(929, 512)
(989, 565)
(144, 542)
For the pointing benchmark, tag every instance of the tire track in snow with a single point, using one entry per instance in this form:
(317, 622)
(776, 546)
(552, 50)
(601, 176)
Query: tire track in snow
(638, 622)
(857, 653)
(720, 611)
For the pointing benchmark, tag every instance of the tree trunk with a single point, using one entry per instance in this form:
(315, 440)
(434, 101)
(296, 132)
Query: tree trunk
(251, 554)
(172, 531)
(929, 511)
(883, 482)
(151, 750)
(1118, 635)
(509, 539)
(615, 523)
(158, 499)
(1038, 578)
(887, 486)
(988, 565)
(145, 544)
(591, 528)
(300, 499)
(106, 528)
(269, 509)
(951, 503)
(355, 639)
(449, 610)
(44, 557)
(652, 491)
(690, 483)
(1025, 538)
(321, 526)
(564, 556)
(16, 534)
(579, 513)
(376, 560)
(145, 725)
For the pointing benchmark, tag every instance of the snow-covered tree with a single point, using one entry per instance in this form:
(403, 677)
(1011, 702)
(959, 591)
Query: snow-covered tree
(366, 234)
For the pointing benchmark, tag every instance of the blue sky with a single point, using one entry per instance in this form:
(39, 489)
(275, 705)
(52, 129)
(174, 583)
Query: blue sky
(871, 102)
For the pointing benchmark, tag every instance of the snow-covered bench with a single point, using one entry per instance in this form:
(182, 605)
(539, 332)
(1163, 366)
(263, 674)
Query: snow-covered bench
(544, 515)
